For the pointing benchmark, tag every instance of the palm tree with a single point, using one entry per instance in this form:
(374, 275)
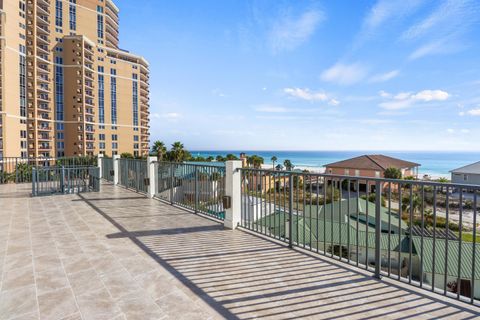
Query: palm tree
(274, 159)
(393, 173)
(288, 165)
(178, 151)
(159, 149)
(415, 205)
(255, 161)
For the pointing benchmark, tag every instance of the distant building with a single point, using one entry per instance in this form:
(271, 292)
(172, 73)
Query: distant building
(372, 166)
(469, 174)
(244, 159)
(66, 88)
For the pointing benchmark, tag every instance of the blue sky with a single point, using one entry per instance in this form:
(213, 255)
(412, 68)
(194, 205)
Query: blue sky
(310, 75)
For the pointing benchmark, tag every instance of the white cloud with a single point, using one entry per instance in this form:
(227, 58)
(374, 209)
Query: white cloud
(169, 116)
(442, 31)
(462, 131)
(449, 16)
(344, 74)
(382, 77)
(431, 95)
(405, 100)
(442, 46)
(384, 94)
(334, 102)
(473, 112)
(288, 32)
(217, 92)
(386, 10)
(305, 94)
(271, 109)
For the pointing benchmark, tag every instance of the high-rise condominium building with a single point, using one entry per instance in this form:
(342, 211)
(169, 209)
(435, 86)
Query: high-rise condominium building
(66, 89)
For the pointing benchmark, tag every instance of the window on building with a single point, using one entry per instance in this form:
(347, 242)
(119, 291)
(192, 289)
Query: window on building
(100, 25)
(465, 177)
(59, 13)
(101, 137)
(101, 96)
(114, 137)
(113, 97)
(377, 174)
(114, 145)
(23, 86)
(73, 14)
(135, 102)
(357, 172)
(347, 172)
(59, 89)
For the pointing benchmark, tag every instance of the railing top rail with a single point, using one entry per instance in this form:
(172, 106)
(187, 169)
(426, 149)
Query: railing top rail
(130, 159)
(63, 167)
(372, 179)
(203, 165)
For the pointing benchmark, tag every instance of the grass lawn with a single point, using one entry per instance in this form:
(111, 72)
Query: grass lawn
(468, 237)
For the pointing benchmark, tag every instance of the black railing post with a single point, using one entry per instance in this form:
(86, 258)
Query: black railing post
(378, 227)
(195, 198)
(16, 170)
(290, 211)
(172, 173)
(34, 175)
(62, 180)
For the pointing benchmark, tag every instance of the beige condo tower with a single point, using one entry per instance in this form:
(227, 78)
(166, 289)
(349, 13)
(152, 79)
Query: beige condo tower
(66, 89)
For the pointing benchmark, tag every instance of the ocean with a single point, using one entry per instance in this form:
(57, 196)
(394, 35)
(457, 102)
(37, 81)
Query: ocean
(435, 164)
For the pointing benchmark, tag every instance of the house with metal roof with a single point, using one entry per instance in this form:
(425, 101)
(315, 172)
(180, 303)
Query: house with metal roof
(349, 227)
(346, 225)
(469, 174)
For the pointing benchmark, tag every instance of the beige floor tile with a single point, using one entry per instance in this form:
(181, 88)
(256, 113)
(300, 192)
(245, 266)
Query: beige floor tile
(17, 278)
(179, 265)
(18, 302)
(98, 305)
(50, 280)
(57, 304)
(85, 281)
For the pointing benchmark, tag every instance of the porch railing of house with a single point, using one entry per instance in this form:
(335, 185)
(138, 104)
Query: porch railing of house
(418, 232)
(64, 180)
(197, 187)
(19, 170)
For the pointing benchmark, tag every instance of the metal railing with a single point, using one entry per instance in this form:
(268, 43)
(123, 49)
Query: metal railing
(421, 233)
(19, 170)
(197, 187)
(107, 168)
(133, 174)
(64, 180)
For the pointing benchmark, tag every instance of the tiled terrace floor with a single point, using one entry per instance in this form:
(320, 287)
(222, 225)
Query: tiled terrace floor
(117, 255)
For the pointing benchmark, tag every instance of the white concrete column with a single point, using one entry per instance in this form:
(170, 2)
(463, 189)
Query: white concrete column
(152, 175)
(116, 168)
(233, 190)
(99, 164)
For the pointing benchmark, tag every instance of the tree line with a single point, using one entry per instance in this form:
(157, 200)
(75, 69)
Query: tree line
(178, 153)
